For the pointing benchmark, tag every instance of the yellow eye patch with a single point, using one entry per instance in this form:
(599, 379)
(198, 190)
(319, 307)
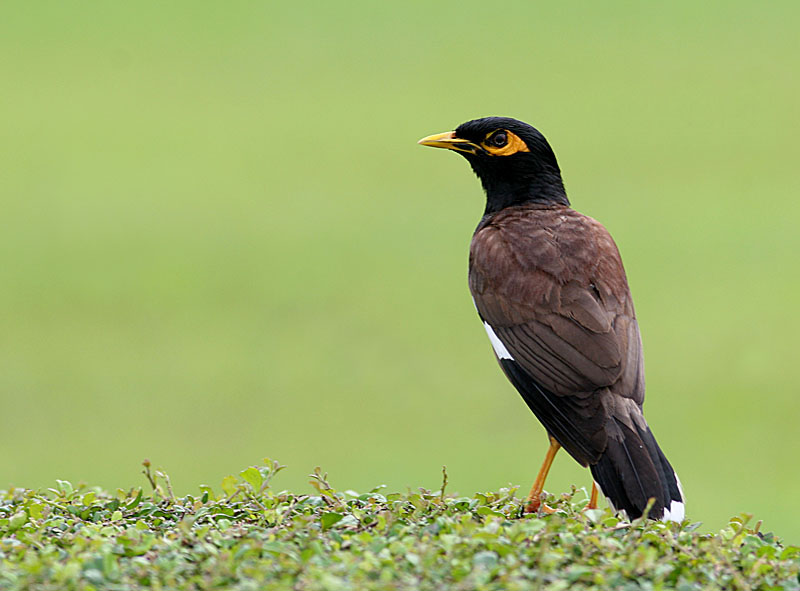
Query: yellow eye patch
(502, 142)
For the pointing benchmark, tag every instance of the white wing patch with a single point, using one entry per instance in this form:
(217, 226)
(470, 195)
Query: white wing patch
(497, 344)
(677, 510)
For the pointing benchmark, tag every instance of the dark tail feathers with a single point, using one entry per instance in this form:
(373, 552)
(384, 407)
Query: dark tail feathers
(633, 469)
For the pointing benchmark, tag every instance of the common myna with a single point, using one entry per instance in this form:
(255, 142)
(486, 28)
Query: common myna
(550, 288)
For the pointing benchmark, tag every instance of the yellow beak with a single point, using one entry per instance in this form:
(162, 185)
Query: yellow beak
(449, 141)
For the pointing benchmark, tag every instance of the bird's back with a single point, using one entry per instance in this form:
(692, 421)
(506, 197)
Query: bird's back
(557, 274)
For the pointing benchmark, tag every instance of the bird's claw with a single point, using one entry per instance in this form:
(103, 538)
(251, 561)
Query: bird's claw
(539, 506)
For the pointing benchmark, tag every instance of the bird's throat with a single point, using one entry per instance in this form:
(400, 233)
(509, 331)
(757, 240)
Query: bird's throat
(543, 188)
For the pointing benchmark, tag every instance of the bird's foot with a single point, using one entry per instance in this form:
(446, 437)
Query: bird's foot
(592, 504)
(537, 505)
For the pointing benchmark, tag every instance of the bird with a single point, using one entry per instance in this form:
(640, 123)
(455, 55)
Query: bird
(550, 288)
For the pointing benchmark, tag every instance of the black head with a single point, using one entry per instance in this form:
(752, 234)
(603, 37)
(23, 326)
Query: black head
(512, 159)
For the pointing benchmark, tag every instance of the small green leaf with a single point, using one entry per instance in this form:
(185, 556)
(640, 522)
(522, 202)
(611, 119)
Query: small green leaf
(791, 552)
(252, 477)
(135, 502)
(229, 485)
(35, 510)
(64, 487)
(329, 519)
(489, 511)
(19, 519)
(594, 515)
(208, 493)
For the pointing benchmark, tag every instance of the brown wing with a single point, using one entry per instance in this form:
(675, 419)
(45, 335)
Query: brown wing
(550, 285)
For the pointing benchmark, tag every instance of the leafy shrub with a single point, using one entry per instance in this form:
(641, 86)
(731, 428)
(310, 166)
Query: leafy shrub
(247, 536)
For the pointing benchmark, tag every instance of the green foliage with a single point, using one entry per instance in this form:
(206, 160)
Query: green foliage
(218, 229)
(249, 537)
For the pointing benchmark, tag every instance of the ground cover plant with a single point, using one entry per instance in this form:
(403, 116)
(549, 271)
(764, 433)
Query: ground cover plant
(219, 230)
(246, 535)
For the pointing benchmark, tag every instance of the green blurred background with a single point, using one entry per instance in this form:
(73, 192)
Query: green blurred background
(221, 242)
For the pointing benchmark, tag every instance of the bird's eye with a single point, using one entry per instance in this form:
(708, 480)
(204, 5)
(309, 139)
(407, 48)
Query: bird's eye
(498, 139)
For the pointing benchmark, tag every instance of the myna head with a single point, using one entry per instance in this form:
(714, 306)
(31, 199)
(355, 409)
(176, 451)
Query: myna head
(512, 159)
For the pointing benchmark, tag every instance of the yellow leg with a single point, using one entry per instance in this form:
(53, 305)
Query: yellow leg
(593, 498)
(534, 502)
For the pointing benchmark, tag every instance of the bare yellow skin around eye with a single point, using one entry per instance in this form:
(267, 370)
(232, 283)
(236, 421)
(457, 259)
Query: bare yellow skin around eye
(514, 145)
